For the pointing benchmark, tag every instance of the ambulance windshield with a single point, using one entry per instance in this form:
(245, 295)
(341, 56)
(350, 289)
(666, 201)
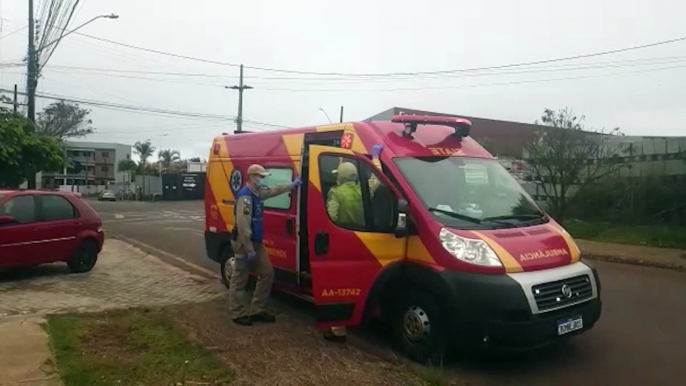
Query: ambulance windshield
(470, 193)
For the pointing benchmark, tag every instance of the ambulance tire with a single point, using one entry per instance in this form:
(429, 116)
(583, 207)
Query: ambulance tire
(420, 328)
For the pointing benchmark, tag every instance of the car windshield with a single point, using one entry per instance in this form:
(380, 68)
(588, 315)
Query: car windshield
(470, 193)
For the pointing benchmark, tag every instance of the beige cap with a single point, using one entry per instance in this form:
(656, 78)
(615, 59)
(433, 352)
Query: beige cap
(257, 169)
(346, 171)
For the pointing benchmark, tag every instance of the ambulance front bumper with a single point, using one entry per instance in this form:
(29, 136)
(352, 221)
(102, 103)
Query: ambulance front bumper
(523, 310)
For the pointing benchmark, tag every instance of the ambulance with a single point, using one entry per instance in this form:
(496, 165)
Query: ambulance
(452, 252)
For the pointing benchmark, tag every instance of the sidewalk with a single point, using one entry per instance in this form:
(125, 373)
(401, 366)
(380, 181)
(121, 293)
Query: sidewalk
(25, 353)
(634, 254)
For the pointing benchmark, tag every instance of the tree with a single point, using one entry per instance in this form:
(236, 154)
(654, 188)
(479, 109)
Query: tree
(194, 159)
(489, 145)
(168, 157)
(64, 119)
(129, 167)
(144, 150)
(566, 155)
(24, 152)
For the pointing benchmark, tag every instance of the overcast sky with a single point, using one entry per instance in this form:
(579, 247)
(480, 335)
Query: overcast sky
(642, 91)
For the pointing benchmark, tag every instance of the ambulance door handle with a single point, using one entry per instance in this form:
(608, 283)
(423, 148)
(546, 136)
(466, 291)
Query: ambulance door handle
(321, 243)
(289, 226)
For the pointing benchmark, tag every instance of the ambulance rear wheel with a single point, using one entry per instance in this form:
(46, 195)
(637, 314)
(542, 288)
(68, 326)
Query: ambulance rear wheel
(420, 328)
(227, 266)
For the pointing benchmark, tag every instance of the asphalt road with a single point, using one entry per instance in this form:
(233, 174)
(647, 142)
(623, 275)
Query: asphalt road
(639, 340)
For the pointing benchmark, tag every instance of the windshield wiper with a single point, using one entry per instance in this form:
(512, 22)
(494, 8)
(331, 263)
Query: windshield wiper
(456, 215)
(515, 217)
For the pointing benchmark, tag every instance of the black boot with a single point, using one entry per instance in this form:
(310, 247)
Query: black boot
(263, 317)
(243, 321)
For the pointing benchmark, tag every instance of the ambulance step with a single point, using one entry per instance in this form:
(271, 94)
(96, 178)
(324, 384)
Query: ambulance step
(301, 296)
(306, 279)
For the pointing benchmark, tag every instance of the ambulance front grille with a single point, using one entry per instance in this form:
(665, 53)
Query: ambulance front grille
(561, 293)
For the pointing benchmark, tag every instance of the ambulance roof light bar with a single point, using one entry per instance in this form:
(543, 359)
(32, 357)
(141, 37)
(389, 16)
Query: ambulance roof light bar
(462, 126)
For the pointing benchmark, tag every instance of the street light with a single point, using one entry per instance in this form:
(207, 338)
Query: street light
(111, 16)
(327, 115)
(32, 70)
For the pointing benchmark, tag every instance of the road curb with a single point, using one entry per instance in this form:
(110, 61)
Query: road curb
(195, 269)
(634, 261)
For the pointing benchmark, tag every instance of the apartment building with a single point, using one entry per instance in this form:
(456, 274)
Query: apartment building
(92, 163)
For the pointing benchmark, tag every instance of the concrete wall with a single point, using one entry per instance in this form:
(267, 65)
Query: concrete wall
(197, 167)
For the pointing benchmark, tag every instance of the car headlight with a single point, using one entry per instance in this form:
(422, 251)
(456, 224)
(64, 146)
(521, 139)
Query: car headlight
(469, 250)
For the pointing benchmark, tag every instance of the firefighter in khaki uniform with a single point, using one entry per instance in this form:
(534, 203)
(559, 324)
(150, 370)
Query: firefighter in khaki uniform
(344, 206)
(248, 249)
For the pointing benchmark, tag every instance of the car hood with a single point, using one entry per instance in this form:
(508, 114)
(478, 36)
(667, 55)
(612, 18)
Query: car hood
(532, 248)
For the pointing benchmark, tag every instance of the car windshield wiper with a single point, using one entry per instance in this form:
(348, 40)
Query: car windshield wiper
(456, 215)
(515, 217)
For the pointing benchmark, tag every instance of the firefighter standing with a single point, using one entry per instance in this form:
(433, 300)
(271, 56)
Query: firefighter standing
(344, 206)
(248, 249)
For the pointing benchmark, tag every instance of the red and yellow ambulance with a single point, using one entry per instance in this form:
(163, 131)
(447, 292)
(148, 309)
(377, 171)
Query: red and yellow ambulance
(452, 252)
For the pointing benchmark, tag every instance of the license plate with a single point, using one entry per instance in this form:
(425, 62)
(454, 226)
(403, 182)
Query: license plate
(566, 326)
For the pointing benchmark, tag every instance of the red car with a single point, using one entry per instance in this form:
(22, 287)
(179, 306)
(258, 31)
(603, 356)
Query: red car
(38, 227)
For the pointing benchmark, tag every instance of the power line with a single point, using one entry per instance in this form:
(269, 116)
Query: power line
(158, 51)
(131, 108)
(520, 64)
(475, 85)
(558, 68)
(13, 32)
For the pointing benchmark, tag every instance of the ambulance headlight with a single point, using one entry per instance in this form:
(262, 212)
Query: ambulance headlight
(469, 250)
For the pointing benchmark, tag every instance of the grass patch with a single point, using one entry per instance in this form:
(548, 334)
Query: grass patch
(130, 347)
(651, 236)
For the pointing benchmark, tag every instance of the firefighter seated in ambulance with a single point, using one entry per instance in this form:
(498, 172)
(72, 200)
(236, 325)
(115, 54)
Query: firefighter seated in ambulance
(345, 208)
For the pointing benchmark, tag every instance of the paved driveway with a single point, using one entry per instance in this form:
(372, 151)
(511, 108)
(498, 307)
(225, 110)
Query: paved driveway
(123, 277)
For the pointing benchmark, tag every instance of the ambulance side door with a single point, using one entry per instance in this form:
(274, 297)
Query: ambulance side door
(346, 258)
(279, 223)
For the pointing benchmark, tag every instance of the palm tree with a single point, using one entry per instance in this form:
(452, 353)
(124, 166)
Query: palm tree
(144, 150)
(127, 166)
(168, 157)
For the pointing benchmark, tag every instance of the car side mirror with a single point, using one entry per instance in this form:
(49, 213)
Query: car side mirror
(401, 226)
(4, 220)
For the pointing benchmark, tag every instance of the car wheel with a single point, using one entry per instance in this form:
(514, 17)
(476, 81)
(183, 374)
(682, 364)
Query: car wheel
(420, 328)
(227, 266)
(85, 257)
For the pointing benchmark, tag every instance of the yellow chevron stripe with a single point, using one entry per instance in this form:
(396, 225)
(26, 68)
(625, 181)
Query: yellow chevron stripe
(509, 262)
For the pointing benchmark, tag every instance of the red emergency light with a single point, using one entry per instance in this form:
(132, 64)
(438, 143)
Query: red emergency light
(462, 126)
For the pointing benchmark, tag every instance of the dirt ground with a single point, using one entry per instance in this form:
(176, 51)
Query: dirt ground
(290, 353)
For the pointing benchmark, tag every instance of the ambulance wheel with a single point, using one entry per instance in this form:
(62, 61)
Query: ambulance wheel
(420, 328)
(227, 266)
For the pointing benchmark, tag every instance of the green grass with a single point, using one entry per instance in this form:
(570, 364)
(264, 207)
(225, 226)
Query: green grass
(131, 347)
(651, 236)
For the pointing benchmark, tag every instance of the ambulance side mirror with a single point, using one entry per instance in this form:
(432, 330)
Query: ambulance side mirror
(402, 226)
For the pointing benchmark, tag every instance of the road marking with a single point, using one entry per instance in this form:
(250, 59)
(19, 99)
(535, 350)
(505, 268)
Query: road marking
(169, 255)
(118, 216)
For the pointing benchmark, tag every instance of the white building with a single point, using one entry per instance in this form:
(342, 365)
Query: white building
(98, 161)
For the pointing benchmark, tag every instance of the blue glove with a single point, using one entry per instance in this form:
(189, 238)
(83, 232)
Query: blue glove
(296, 183)
(376, 149)
(251, 256)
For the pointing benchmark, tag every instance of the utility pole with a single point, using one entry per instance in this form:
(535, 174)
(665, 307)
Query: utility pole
(240, 88)
(15, 99)
(31, 71)
(341, 114)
